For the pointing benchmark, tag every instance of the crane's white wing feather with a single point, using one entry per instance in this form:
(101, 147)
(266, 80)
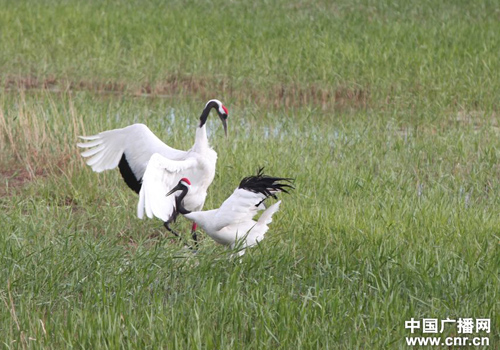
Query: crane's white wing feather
(136, 141)
(160, 177)
(257, 233)
(239, 207)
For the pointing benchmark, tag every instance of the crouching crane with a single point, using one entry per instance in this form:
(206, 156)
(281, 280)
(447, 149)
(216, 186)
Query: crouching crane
(232, 224)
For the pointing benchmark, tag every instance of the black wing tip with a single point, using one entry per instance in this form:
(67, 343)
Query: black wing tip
(265, 184)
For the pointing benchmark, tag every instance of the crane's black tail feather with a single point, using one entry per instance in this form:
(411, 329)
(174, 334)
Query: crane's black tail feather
(265, 184)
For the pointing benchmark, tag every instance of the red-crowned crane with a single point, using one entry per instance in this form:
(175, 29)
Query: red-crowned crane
(135, 148)
(232, 224)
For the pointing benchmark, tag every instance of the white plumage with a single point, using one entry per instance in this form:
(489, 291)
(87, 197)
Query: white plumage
(232, 224)
(136, 142)
(162, 174)
(141, 155)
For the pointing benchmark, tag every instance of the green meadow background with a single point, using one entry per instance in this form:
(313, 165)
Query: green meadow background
(385, 113)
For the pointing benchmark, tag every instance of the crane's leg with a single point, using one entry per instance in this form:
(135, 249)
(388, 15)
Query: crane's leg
(169, 229)
(193, 233)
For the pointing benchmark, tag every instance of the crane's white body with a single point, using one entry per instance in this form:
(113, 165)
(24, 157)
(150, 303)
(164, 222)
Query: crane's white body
(232, 224)
(162, 174)
(150, 158)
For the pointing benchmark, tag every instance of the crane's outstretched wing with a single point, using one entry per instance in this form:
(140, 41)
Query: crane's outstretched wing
(135, 142)
(160, 177)
(241, 206)
(256, 234)
(248, 198)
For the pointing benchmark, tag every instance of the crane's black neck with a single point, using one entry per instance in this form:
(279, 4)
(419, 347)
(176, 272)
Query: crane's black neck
(178, 202)
(206, 112)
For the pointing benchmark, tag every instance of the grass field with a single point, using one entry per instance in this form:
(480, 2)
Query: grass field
(385, 114)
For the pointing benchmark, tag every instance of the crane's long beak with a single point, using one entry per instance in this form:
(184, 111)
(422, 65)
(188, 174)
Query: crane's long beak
(175, 189)
(224, 123)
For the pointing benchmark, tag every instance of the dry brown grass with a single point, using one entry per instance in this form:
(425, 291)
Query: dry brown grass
(30, 148)
(278, 96)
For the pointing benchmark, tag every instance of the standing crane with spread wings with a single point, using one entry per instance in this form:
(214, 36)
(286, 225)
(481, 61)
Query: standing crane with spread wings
(135, 148)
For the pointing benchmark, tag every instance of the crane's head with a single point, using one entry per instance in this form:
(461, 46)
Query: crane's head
(183, 185)
(221, 111)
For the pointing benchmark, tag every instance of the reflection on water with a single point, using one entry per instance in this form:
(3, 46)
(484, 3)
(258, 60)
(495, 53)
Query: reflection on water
(251, 129)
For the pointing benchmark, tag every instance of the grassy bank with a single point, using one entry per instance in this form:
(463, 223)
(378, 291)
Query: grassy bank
(413, 55)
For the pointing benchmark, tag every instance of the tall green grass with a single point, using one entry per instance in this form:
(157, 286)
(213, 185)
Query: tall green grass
(386, 116)
(387, 222)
